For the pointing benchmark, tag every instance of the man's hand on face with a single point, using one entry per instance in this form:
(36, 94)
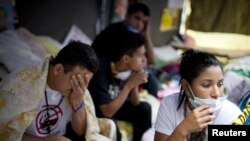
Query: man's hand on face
(146, 30)
(79, 85)
(137, 78)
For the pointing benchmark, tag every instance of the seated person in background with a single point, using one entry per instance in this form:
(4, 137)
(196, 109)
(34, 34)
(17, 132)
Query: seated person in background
(47, 98)
(201, 101)
(136, 21)
(114, 88)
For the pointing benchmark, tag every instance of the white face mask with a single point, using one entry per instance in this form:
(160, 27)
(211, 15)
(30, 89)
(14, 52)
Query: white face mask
(132, 29)
(123, 75)
(212, 103)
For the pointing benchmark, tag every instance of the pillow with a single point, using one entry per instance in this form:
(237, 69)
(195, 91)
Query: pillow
(225, 41)
(240, 66)
(239, 91)
(76, 34)
(51, 45)
(34, 44)
(15, 53)
(231, 80)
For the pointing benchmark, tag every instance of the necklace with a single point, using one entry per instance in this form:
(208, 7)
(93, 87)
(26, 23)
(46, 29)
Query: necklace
(47, 111)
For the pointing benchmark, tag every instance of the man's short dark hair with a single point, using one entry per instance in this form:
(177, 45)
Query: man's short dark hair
(125, 42)
(138, 6)
(77, 53)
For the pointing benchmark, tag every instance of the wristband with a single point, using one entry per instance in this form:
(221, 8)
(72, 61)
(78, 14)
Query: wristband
(79, 107)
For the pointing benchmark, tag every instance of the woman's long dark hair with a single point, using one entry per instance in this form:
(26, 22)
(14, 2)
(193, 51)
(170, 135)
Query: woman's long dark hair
(192, 64)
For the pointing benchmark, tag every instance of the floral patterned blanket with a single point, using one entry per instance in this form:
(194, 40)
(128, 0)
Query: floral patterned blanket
(20, 95)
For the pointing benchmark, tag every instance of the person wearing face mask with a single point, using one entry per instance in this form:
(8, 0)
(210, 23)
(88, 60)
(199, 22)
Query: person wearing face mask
(213, 103)
(114, 88)
(200, 102)
(136, 21)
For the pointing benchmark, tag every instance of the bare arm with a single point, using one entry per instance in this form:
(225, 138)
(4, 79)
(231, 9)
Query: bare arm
(196, 120)
(108, 110)
(150, 51)
(79, 84)
(78, 122)
(149, 45)
(134, 96)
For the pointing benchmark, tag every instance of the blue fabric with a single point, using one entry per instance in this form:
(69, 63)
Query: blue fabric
(245, 101)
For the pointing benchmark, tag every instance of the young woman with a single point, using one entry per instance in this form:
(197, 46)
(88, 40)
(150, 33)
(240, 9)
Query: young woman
(201, 101)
